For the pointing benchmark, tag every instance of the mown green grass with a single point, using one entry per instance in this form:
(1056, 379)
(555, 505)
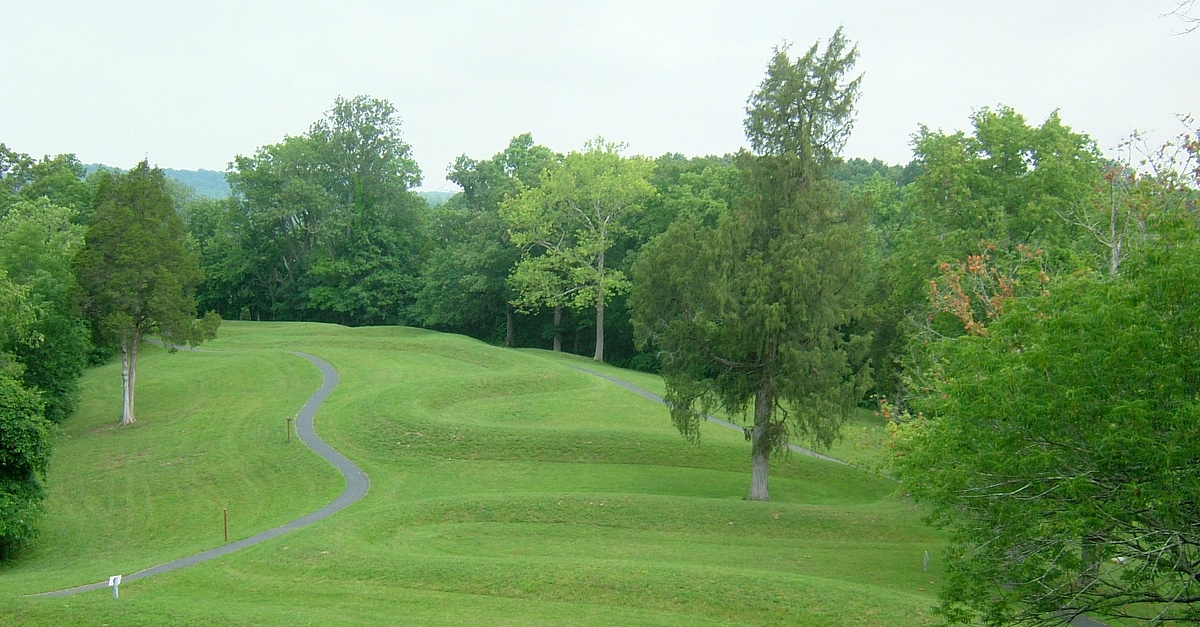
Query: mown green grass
(506, 488)
(863, 438)
(211, 437)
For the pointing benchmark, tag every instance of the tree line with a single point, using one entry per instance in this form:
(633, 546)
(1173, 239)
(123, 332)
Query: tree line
(1018, 304)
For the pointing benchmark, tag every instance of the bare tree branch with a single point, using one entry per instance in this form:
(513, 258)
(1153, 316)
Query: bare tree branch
(1183, 11)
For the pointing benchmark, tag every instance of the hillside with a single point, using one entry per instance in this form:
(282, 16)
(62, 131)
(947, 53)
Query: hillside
(507, 487)
(207, 183)
(212, 184)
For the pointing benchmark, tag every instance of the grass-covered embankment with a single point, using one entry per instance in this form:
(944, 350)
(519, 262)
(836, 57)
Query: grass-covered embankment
(506, 488)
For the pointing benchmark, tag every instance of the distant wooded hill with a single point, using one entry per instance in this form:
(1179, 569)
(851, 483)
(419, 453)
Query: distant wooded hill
(212, 184)
(206, 182)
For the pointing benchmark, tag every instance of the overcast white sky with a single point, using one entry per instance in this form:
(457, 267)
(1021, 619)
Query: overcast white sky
(190, 85)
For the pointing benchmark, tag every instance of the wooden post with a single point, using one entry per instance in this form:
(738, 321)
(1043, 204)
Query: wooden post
(289, 429)
(226, 511)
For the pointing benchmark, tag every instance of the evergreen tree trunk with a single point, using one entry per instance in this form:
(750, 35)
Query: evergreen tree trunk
(128, 376)
(508, 325)
(760, 442)
(126, 409)
(557, 328)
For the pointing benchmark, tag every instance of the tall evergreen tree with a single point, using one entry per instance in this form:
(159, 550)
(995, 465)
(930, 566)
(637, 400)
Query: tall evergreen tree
(137, 272)
(754, 312)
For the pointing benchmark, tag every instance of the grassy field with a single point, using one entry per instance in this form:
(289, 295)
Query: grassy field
(506, 488)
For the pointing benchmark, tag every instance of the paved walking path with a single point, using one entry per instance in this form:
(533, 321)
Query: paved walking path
(357, 484)
(724, 423)
(1078, 621)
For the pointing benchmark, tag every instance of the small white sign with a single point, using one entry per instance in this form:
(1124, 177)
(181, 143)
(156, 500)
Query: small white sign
(114, 582)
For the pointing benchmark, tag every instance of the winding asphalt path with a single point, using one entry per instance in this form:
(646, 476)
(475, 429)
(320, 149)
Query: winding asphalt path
(1078, 621)
(357, 484)
(724, 423)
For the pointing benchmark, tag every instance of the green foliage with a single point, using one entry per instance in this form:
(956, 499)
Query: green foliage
(465, 277)
(323, 226)
(135, 268)
(24, 453)
(857, 173)
(17, 315)
(754, 311)
(137, 271)
(38, 241)
(569, 223)
(1004, 190)
(805, 108)
(1060, 449)
(44, 338)
(1008, 184)
(59, 179)
(698, 189)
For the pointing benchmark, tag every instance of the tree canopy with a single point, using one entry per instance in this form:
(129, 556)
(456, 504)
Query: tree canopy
(38, 240)
(24, 454)
(465, 277)
(1058, 443)
(754, 312)
(44, 341)
(569, 223)
(137, 271)
(323, 225)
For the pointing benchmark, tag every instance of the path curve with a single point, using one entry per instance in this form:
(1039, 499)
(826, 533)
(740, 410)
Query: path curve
(724, 423)
(357, 484)
(1077, 621)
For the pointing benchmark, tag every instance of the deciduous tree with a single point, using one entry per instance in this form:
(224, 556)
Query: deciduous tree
(38, 241)
(465, 278)
(1060, 447)
(24, 430)
(326, 226)
(570, 222)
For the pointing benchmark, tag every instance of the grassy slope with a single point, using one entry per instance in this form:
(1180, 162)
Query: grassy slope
(506, 489)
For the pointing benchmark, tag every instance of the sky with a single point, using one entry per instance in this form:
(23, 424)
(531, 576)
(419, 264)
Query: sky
(192, 84)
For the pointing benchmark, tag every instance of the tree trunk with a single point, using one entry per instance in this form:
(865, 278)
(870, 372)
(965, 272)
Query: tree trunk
(557, 328)
(1089, 557)
(1114, 238)
(599, 356)
(508, 325)
(760, 442)
(129, 344)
